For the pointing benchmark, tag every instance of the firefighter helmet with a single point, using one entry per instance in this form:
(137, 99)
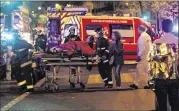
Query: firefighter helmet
(72, 29)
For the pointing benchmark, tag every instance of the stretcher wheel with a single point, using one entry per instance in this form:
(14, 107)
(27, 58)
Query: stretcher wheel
(72, 85)
(47, 87)
(82, 85)
(55, 88)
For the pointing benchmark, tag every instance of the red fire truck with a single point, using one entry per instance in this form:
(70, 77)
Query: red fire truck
(127, 26)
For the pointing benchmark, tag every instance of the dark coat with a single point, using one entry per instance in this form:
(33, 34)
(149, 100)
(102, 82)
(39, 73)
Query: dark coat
(116, 50)
(102, 46)
(21, 49)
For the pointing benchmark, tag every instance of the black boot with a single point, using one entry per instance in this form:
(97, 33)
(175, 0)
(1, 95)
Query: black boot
(22, 88)
(133, 86)
(146, 87)
(106, 83)
(30, 90)
(110, 85)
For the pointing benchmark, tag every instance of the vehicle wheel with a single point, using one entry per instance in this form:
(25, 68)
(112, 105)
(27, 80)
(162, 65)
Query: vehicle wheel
(55, 88)
(47, 87)
(72, 85)
(82, 86)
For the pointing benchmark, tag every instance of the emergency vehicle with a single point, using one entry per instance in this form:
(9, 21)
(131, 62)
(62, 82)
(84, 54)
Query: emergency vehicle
(19, 21)
(126, 26)
(85, 26)
(59, 22)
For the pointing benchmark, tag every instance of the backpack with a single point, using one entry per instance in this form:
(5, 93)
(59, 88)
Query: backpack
(162, 61)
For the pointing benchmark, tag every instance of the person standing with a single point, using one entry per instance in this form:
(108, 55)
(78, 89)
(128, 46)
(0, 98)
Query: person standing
(40, 43)
(116, 54)
(102, 49)
(144, 46)
(166, 84)
(21, 63)
(3, 61)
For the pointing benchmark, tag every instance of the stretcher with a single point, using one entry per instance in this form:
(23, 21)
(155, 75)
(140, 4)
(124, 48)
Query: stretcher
(73, 62)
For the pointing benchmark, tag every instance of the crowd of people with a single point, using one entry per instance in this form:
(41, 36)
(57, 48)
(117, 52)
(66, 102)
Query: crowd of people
(165, 73)
(157, 60)
(110, 56)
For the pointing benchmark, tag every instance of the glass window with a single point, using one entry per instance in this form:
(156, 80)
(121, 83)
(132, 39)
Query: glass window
(2, 19)
(91, 28)
(16, 19)
(124, 29)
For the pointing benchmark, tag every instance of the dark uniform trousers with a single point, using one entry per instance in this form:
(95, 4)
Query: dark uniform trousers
(24, 75)
(105, 71)
(164, 88)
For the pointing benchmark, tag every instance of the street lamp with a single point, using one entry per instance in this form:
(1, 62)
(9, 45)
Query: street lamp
(58, 7)
(39, 8)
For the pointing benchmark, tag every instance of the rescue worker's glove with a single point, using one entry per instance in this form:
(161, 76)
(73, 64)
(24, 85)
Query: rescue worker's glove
(138, 59)
(103, 58)
(98, 59)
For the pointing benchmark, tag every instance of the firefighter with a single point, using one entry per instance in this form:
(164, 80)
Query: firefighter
(102, 45)
(21, 62)
(2, 60)
(72, 36)
(40, 42)
(167, 87)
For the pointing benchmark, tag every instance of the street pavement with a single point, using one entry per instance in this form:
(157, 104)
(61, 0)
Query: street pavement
(94, 97)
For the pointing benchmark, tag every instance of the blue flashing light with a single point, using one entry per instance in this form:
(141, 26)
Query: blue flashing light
(7, 36)
(145, 17)
(175, 28)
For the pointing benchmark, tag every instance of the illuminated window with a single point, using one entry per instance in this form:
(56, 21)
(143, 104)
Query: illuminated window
(90, 29)
(2, 19)
(16, 19)
(124, 29)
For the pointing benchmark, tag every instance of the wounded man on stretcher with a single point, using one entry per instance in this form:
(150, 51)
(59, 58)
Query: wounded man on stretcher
(71, 50)
(73, 54)
(73, 47)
